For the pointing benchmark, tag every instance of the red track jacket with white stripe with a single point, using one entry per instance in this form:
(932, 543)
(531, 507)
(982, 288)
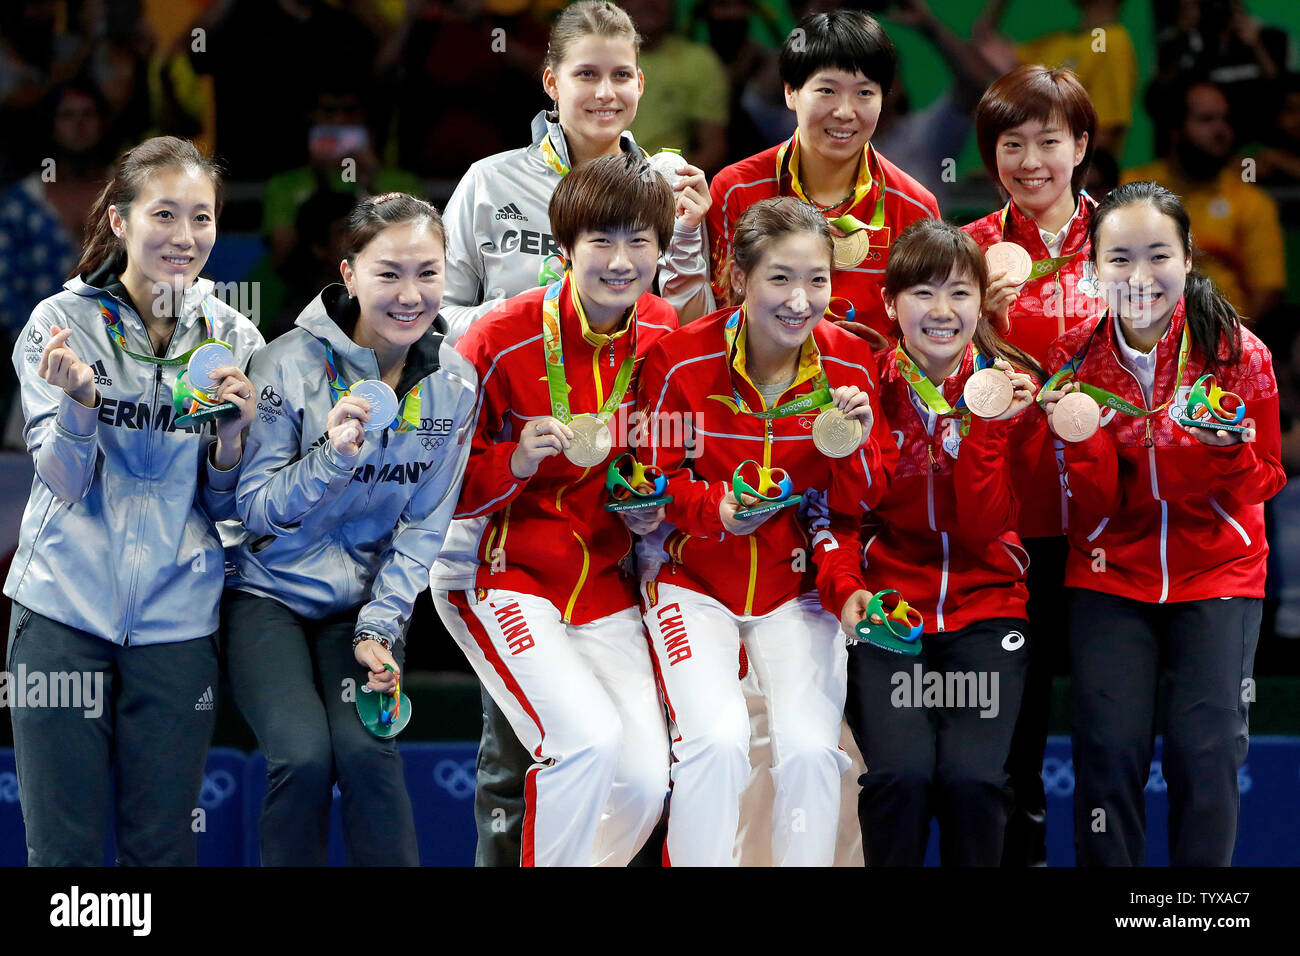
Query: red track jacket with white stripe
(1045, 309)
(550, 535)
(944, 534)
(689, 376)
(1156, 515)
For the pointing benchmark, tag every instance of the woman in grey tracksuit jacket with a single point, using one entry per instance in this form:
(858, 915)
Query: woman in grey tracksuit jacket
(338, 547)
(119, 569)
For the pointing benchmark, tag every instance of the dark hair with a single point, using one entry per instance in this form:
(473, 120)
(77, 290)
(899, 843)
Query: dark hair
(765, 222)
(848, 40)
(1214, 323)
(589, 18)
(131, 172)
(1034, 93)
(928, 251)
(609, 193)
(372, 216)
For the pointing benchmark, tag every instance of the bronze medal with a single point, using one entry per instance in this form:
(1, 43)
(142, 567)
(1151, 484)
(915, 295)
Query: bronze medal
(988, 393)
(591, 441)
(1010, 258)
(835, 434)
(1076, 417)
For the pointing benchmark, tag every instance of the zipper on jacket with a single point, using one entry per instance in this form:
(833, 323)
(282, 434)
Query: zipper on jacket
(1150, 445)
(148, 461)
(753, 544)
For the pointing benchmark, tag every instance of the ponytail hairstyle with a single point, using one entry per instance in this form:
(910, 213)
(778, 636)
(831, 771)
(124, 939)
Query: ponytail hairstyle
(132, 171)
(928, 251)
(1214, 323)
(762, 224)
(373, 215)
(588, 18)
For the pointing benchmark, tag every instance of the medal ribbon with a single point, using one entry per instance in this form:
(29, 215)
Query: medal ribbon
(1101, 395)
(1041, 268)
(553, 344)
(928, 393)
(867, 177)
(552, 158)
(112, 316)
(816, 400)
(409, 417)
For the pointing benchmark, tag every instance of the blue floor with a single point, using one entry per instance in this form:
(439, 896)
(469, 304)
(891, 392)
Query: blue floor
(440, 777)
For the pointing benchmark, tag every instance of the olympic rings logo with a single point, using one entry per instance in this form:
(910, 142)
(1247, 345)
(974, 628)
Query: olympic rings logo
(218, 787)
(1058, 777)
(456, 777)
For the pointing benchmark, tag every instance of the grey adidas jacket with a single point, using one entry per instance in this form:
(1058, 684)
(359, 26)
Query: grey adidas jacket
(326, 534)
(119, 537)
(499, 234)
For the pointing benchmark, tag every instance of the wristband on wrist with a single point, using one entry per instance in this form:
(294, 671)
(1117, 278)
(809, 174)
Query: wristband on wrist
(372, 636)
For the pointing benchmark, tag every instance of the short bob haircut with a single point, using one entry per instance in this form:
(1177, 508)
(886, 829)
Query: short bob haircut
(1033, 93)
(848, 40)
(610, 193)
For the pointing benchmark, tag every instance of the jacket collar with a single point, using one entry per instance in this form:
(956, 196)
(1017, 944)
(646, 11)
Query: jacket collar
(105, 281)
(547, 124)
(810, 364)
(1021, 229)
(332, 316)
(1166, 350)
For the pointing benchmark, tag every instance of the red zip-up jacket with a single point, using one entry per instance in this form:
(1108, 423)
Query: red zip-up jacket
(689, 376)
(944, 534)
(1156, 515)
(1044, 310)
(550, 535)
(740, 185)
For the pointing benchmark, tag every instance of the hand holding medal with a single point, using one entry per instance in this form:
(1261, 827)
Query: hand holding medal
(1009, 268)
(998, 392)
(346, 425)
(1073, 415)
(541, 438)
(212, 386)
(839, 431)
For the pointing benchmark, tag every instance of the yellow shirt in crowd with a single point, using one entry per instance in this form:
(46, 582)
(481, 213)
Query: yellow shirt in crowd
(1235, 225)
(1105, 63)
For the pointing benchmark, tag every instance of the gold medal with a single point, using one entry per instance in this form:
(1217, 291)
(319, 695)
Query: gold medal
(835, 434)
(591, 441)
(850, 250)
(988, 393)
(1076, 417)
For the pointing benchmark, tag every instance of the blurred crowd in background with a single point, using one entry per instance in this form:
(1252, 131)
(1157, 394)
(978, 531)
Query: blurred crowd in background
(308, 104)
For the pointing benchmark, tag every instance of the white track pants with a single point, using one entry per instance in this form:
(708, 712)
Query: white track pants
(800, 659)
(583, 700)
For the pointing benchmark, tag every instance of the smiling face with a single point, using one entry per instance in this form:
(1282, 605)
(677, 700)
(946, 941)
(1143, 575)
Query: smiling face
(168, 230)
(1036, 161)
(397, 280)
(596, 88)
(837, 113)
(1142, 267)
(612, 268)
(938, 321)
(786, 293)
